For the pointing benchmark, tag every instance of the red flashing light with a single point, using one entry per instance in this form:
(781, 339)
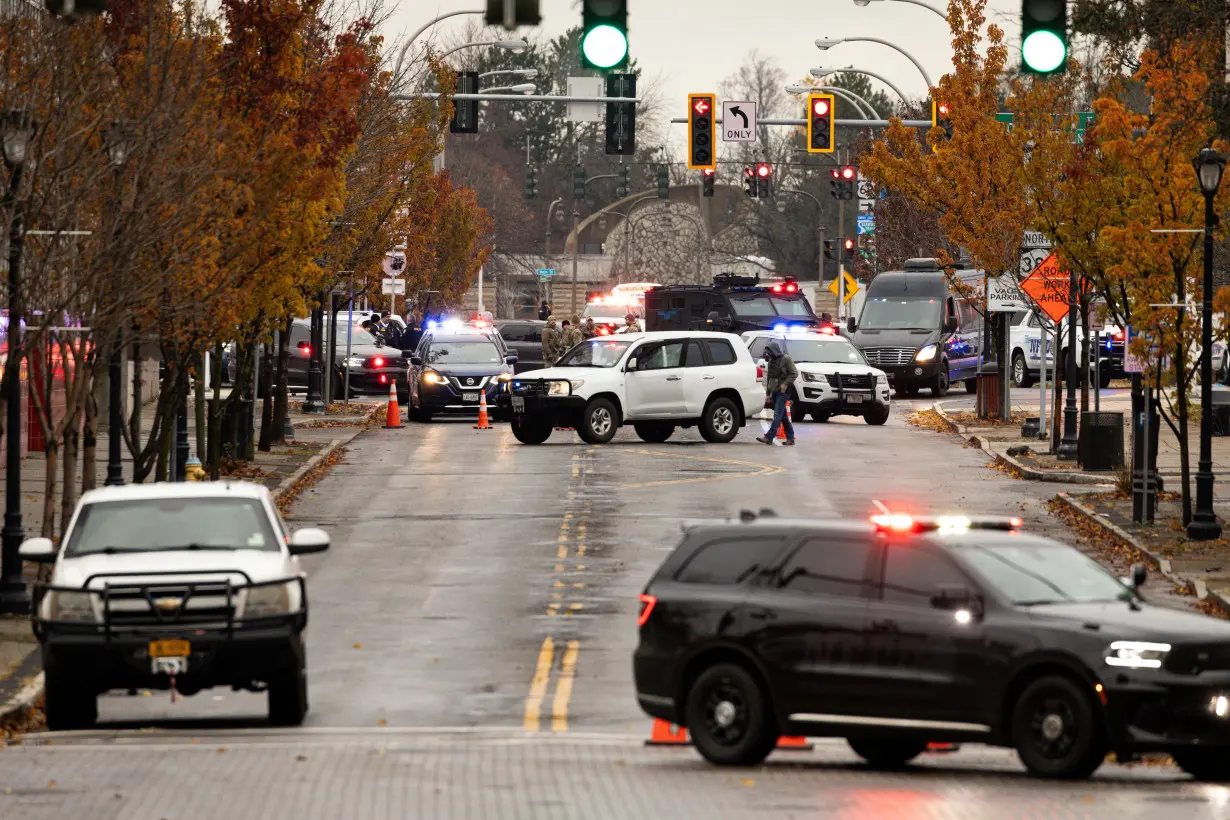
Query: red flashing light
(777, 288)
(763, 170)
(701, 106)
(848, 172)
(821, 107)
(1118, 335)
(897, 522)
(828, 331)
(648, 602)
(604, 331)
(384, 379)
(377, 362)
(709, 172)
(791, 288)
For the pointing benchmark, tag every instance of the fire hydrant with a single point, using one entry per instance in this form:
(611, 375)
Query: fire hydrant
(193, 471)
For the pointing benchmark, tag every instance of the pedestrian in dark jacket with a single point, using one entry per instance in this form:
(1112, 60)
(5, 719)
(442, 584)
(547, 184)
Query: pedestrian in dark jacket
(544, 311)
(779, 376)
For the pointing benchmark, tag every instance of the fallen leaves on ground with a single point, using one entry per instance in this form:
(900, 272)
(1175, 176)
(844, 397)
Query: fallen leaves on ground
(965, 417)
(308, 480)
(1005, 468)
(929, 419)
(32, 720)
(234, 468)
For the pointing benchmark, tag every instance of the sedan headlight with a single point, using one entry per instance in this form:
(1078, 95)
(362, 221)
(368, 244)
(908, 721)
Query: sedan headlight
(274, 599)
(812, 377)
(354, 362)
(559, 389)
(71, 606)
(576, 384)
(432, 377)
(926, 353)
(1137, 654)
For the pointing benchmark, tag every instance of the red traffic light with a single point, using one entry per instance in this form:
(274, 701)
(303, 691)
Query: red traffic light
(747, 172)
(701, 106)
(848, 244)
(708, 172)
(848, 172)
(835, 174)
(763, 170)
(820, 107)
(942, 108)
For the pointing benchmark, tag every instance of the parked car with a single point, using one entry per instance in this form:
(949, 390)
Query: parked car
(524, 340)
(654, 381)
(450, 371)
(373, 366)
(173, 586)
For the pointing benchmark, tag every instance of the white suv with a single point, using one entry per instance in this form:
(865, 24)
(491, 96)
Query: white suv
(653, 381)
(835, 378)
(173, 586)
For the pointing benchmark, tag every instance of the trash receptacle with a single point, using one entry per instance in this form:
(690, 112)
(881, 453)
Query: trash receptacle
(1101, 441)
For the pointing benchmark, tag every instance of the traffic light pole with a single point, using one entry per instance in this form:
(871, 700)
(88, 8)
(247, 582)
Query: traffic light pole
(841, 259)
(576, 242)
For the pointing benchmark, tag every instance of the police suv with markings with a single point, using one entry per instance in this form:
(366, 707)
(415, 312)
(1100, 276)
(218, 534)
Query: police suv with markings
(900, 631)
(173, 586)
(654, 381)
(835, 378)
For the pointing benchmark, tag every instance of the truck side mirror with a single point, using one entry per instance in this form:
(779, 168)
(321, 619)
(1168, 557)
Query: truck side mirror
(631, 366)
(950, 326)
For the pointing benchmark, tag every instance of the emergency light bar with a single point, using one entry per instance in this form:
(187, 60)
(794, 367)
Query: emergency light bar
(902, 523)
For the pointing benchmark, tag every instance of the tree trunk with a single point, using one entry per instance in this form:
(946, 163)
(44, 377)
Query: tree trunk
(198, 400)
(280, 393)
(89, 444)
(51, 452)
(215, 417)
(266, 399)
(134, 418)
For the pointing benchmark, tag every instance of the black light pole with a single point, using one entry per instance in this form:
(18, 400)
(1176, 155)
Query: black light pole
(1069, 446)
(117, 148)
(1204, 526)
(18, 129)
(314, 402)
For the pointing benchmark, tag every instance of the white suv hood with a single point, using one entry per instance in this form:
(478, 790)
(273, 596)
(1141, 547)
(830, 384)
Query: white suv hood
(215, 565)
(824, 368)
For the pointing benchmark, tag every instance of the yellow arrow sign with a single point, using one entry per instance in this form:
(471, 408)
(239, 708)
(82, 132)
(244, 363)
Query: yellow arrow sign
(851, 286)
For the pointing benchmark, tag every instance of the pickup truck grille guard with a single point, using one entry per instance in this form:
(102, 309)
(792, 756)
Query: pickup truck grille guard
(169, 616)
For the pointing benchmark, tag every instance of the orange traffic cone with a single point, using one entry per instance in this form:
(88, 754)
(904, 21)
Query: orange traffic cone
(781, 431)
(393, 420)
(665, 733)
(483, 424)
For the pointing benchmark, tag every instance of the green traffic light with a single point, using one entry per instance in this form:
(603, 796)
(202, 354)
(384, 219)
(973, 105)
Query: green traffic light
(1043, 52)
(605, 46)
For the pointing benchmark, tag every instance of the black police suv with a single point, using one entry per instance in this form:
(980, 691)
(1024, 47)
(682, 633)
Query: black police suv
(450, 370)
(908, 631)
(732, 304)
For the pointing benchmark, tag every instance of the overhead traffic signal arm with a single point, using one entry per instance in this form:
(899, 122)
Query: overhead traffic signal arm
(821, 123)
(701, 132)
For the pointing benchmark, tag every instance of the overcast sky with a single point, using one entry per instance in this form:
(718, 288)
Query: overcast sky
(690, 46)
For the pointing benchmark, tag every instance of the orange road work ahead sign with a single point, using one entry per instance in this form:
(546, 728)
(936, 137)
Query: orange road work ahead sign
(1050, 288)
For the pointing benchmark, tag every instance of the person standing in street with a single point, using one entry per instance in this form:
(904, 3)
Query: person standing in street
(551, 341)
(631, 325)
(779, 376)
(589, 330)
(544, 311)
(573, 335)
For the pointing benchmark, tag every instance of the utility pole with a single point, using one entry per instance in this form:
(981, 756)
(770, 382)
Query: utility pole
(576, 241)
(841, 262)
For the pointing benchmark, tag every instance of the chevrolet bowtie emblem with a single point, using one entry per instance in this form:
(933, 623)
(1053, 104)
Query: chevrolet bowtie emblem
(168, 604)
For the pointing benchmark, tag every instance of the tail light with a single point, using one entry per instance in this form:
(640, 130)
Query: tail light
(759, 372)
(648, 602)
(384, 379)
(377, 362)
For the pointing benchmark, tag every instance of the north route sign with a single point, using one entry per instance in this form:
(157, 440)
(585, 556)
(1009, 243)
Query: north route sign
(1049, 288)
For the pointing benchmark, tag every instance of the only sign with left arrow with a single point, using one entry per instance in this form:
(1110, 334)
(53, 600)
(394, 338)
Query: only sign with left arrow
(738, 121)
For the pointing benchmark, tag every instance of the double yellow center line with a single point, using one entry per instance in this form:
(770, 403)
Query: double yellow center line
(542, 681)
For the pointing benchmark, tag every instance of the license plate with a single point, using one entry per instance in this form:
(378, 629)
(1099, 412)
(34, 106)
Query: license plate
(518, 404)
(170, 648)
(854, 399)
(469, 397)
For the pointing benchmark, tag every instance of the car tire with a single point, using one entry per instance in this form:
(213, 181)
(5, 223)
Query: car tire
(599, 422)
(719, 423)
(729, 717)
(823, 418)
(887, 752)
(939, 385)
(1056, 731)
(876, 417)
(418, 414)
(528, 432)
(288, 698)
(1207, 765)
(1020, 371)
(66, 704)
(654, 432)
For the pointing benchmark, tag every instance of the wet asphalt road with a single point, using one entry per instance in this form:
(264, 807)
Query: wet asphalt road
(471, 634)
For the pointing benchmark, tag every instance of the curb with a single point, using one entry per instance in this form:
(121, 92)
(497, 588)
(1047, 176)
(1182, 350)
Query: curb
(19, 705)
(1159, 563)
(1026, 472)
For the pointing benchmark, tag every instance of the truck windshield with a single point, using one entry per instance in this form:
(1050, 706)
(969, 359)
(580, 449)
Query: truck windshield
(824, 352)
(899, 313)
(791, 307)
(752, 306)
(605, 352)
(153, 524)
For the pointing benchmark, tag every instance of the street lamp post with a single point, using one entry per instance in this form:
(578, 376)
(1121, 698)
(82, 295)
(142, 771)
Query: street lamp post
(1204, 526)
(314, 401)
(401, 55)
(928, 6)
(821, 73)
(117, 139)
(854, 99)
(1069, 446)
(825, 43)
(17, 131)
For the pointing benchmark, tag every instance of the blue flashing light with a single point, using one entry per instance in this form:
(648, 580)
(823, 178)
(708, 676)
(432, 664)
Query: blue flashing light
(780, 328)
(433, 324)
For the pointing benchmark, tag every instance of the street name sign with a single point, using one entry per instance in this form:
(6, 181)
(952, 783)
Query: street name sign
(545, 273)
(851, 286)
(738, 121)
(1049, 288)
